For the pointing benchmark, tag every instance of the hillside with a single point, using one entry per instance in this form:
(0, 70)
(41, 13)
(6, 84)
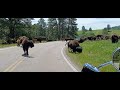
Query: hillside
(116, 27)
(96, 32)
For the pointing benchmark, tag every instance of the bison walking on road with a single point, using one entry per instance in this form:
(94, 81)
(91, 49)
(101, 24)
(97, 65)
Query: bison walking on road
(26, 43)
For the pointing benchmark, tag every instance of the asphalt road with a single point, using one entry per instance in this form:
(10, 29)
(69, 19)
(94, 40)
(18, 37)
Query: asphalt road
(44, 57)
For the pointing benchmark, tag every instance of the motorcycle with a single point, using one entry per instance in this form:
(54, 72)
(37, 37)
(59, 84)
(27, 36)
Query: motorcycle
(114, 62)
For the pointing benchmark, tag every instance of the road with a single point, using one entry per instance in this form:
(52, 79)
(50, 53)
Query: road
(44, 57)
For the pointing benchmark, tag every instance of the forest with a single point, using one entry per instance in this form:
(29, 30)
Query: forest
(54, 29)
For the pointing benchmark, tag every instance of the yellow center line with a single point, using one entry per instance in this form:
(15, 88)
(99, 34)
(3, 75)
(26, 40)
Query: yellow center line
(12, 65)
(15, 66)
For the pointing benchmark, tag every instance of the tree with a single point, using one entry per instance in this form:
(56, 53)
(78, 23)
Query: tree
(72, 27)
(90, 29)
(83, 29)
(41, 27)
(62, 28)
(15, 25)
(108, 27)
(106, 30)
(52, 29)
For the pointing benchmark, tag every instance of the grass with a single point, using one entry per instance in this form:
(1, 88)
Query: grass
(95, 53)
(6, 45)
(96, 32)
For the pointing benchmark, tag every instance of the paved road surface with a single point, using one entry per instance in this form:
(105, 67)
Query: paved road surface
(44, 57)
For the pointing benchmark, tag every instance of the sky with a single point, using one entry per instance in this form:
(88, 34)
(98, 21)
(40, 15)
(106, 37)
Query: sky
(94, 23)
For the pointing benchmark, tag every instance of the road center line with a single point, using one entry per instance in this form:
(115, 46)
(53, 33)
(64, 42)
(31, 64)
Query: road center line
(15, 65)
(12, 66)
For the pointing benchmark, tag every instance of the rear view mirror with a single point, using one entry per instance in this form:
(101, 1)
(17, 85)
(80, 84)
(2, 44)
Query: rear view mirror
(89, 68)
(115, 62)
(116, 57)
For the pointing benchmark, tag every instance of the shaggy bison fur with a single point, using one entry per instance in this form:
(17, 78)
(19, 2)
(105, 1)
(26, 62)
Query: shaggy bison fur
(26, 43)
(114, 38)
(74, 46)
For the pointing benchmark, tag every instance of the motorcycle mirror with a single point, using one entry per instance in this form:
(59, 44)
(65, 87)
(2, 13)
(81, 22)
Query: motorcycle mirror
(116, 57)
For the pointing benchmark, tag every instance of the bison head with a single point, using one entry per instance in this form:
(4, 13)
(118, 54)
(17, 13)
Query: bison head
(30, 44)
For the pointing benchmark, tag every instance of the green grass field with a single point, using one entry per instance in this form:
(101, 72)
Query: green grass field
(96, 32)
(96, 52)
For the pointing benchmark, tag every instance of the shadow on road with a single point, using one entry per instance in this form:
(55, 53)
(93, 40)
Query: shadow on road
(30, 57)
(27, 56)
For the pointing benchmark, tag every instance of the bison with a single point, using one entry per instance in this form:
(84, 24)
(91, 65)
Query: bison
(99, 37)
(79, 49)
(26, 43)
(73, 45)
(66, 39)
(114, 38)
(82, 40)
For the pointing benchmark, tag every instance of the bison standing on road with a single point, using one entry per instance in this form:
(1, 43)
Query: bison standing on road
(114, 38)
(26, 43)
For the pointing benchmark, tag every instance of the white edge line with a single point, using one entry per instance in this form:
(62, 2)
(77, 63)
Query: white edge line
(67, 60)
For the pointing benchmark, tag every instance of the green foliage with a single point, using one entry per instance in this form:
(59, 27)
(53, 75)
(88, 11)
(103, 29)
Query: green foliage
(41, 27)
(14, 25)
(105, 32)
(116, 28)
(52, 29)
(90, 29)
(55, 29)
(108, 27)
(83, 29)
(96, 32)
(86, 34)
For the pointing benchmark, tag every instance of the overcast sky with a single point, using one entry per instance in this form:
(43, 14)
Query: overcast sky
(94, 23)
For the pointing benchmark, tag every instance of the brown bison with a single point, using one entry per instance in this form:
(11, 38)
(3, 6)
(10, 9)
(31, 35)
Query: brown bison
(99, 37)
(106, 37)
(91, 38)
(73, 45)
(114, 38)
(22, 40)
(26, 43)
(40, 39)
(66, 39)
(82, 40)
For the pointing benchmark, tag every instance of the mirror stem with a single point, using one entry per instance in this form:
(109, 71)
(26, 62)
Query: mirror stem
(102, 65)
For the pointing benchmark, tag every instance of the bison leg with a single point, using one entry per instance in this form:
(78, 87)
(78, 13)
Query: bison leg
(27, 51)
(24, 50)
(74, 49)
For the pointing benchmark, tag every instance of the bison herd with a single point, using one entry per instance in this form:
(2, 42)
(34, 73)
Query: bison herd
(74, 45)
(114, 38)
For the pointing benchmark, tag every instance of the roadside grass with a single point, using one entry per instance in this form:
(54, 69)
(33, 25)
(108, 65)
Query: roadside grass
(95, 53)
(6, 45)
